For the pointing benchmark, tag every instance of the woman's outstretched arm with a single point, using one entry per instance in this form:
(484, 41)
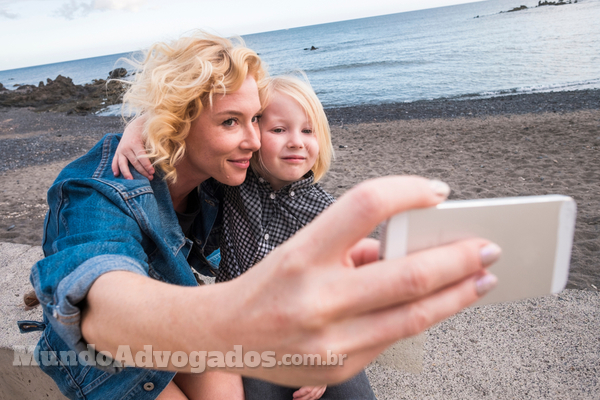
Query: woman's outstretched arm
(322, 292)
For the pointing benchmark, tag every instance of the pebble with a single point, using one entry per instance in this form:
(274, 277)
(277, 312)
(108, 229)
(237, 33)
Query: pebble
(10, 228)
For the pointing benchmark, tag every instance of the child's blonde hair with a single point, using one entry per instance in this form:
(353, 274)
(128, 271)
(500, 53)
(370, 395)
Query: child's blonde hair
(177, 80)
(301, 91)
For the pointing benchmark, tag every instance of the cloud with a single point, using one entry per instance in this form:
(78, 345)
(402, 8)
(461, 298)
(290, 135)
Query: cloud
(128, 5)
(4, 12)
(74, 8)
(7, 14)
(78, 8)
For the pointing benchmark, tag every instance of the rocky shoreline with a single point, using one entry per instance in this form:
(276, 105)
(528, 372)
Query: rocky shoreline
(518, 104)
(62, 95)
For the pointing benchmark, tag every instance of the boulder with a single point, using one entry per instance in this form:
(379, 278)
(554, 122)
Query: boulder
(117, 73)
(518, 9)
(24, 88)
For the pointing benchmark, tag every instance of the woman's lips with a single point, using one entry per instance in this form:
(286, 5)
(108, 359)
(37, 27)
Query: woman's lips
(241, 163)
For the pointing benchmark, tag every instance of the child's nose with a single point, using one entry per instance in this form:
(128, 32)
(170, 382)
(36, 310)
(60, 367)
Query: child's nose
(295, 140)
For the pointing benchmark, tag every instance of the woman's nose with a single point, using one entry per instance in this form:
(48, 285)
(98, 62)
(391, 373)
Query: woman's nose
(252, 138)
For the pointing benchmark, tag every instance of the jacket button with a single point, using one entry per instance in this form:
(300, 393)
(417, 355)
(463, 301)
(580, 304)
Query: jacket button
(266, 237)
(292, 193)
(148, 386)
(272, 196)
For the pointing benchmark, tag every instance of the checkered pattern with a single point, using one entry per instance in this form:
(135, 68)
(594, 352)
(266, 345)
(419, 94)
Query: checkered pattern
(256, 219)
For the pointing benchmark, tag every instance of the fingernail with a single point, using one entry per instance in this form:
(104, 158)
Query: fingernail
(440, 188)
(490, 254)
(486, 283)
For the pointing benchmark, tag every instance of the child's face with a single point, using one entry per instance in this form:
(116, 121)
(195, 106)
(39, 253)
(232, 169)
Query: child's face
(289, 148)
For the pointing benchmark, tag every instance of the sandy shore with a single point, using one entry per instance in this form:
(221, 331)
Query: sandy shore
(511, 146)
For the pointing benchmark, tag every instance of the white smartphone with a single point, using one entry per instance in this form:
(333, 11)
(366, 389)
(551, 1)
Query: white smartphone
(534, 232)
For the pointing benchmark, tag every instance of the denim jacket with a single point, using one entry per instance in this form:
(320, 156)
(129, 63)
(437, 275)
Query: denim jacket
(99, 223)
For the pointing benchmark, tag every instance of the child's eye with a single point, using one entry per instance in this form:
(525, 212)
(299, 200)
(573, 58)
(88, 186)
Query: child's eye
(278, 130)
(256, 119)
(230, 122)
(307, 131)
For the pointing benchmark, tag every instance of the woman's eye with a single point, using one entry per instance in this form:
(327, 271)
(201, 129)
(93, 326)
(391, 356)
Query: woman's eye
(307, 131)
(229, 122)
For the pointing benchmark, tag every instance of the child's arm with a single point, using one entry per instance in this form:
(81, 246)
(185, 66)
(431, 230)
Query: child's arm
(132, 150)
(309, 392)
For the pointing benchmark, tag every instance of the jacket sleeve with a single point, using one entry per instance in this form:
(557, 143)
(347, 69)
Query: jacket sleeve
(86, 235)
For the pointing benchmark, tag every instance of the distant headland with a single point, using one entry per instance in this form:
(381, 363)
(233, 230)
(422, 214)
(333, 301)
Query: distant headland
(542, 4)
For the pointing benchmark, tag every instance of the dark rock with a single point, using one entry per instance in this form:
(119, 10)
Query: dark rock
(62, 95)
(311, 48)
(117, 73)
(554, 3)
(518, 9)
(24, 88)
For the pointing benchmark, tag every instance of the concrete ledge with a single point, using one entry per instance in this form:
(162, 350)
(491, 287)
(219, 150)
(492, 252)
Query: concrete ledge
(23, 383)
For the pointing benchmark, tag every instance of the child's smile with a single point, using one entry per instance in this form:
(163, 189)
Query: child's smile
(289, 147)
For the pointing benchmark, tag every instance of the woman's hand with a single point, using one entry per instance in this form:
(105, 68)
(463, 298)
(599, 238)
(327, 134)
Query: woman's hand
(309, 392)
(132, 150)
(325, 292)
(322, 293)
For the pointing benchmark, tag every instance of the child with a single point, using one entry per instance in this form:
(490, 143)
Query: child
(279, 196)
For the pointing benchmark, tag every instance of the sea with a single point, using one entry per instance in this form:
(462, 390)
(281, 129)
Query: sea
(471, 50)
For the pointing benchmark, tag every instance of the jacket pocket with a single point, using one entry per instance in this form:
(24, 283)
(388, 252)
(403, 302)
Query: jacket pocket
(66, 368)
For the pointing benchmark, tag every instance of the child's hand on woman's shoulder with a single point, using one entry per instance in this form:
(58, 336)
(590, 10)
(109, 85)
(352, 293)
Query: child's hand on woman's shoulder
(132, 150)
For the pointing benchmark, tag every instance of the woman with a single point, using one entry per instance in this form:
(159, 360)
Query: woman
(117, 261)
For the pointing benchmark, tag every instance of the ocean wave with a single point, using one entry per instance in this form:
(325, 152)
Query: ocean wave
(368, 64)
(559, 87)
(111, 111)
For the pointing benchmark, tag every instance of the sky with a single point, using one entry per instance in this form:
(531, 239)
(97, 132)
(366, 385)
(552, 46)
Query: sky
(37, 32)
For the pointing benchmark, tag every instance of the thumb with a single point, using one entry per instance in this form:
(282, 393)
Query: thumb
(362, 208)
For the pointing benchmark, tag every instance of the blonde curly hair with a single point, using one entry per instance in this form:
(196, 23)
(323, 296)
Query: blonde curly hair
(175, 81)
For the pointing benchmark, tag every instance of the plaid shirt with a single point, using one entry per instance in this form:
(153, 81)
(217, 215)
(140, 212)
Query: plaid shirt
(257, 219)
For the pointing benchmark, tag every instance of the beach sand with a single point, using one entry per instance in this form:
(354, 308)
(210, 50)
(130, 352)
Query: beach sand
(518, 145)
(512, 146)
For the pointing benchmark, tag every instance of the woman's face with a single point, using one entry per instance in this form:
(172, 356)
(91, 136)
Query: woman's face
(223, 137)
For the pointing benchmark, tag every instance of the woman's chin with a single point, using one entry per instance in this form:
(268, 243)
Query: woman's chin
(232, 180)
